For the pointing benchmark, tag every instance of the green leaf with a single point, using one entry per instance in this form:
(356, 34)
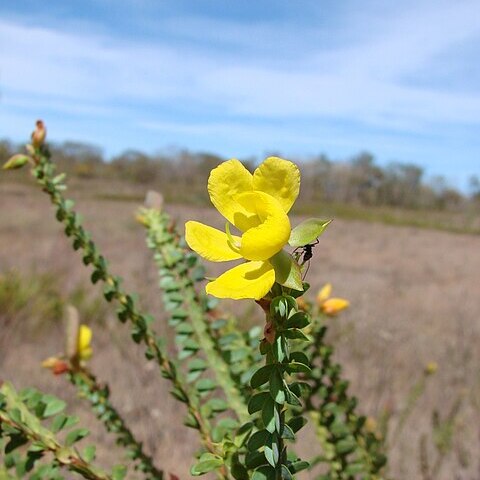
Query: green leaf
(238, 471)
(298, 466)
(346, 446)
(287, 270)
(265, 472)
(261, 376)
(287, 433)
(298, 320)
(217, 405)
(272, 451)
(197, 365)
(296, 334)
(286, 475)
(89, 453)
(296, 423)
(307, 232)
(53, 405)
(296, 367)
(206, 466)
(75, 436)
(277, 386)
(292, 398)
(205, 385)
(271, 416)
(254, 459)
(300, 357)
(119, 472)
(256, 402)
(300, 389)
(355, 468)
(258, 440)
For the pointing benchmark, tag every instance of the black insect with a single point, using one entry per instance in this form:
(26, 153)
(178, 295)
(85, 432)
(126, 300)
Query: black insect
(305, 254)
(308, 251)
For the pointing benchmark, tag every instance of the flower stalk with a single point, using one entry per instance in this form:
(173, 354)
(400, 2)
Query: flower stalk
(142, 332)
(278, 401)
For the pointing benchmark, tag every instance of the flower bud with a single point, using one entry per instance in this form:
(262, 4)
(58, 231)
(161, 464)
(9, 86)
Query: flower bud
(17, 161)
(39, 134)
(332, 306)
(84, 350)
(324, 293)
(56, 365)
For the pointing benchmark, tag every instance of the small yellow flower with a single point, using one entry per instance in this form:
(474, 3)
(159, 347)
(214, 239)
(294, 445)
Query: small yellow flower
(257, 205)
(431, 368)
(84, 350)
(330, 305)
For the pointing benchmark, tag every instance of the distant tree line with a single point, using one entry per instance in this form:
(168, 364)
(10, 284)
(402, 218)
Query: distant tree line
(181, 176)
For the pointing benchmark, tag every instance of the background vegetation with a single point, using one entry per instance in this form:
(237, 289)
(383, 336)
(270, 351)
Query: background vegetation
(354, 188)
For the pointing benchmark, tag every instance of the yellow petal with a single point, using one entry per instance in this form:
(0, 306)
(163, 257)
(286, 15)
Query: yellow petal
(324, 293)
(332, 306)
(271, 235)
(248, 280)
(225, 182)
(84, 338)
(280, 179)
(210, 243)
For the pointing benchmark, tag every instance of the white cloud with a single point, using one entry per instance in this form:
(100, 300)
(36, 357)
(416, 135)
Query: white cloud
(263, 81)
(364, 82)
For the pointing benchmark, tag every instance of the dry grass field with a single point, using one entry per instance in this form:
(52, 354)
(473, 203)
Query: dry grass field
(415, 298)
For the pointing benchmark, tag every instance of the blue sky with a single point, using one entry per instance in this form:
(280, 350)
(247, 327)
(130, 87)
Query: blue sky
(400, 79)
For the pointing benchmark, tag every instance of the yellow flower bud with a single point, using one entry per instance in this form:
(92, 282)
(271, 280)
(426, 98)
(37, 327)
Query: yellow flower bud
(84, 350)
(324, 293)
(39, 134)
(49, 362)
(332, 306)
(56, 365)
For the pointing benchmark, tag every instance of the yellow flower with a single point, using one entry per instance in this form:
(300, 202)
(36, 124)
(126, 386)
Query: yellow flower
(431, 368)
(257, 205)
(84, 350)
(330, 305)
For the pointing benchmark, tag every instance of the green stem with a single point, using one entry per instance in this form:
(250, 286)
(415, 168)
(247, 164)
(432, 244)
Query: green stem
(159, 237)
(128, 311)
(282, 399)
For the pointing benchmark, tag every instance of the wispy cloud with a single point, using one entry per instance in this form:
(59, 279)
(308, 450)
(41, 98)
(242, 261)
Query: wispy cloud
(365, 72)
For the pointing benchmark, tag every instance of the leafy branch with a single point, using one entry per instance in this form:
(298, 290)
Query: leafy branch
(142, 332)
(22, 426)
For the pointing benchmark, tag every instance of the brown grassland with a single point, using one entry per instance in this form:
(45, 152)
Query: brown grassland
(414, 293)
